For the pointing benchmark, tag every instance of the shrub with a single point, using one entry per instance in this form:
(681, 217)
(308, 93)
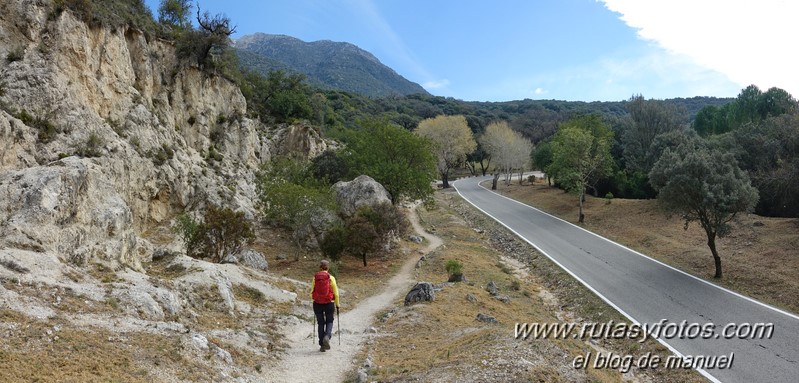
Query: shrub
(223, 232)
(91, 148)
(334, 242)
(362, 237)
(608, 197)
(329, 166)
(371, 228)
(15, 55)
(455, 270)
(387, 220)
(188, 229)
(47, 130)
(161, 155)
(111, 14)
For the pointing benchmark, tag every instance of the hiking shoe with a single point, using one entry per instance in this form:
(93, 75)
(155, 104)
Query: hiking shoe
(322, 349)
(326, 342)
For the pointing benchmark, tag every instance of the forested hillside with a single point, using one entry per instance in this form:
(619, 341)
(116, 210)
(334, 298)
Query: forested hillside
(327, 64)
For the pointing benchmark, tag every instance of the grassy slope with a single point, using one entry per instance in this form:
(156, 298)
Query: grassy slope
(758, 261)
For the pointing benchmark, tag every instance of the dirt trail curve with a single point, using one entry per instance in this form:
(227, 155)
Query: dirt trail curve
(304, 363)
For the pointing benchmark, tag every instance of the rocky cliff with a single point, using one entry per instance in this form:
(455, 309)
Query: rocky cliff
(105, 136)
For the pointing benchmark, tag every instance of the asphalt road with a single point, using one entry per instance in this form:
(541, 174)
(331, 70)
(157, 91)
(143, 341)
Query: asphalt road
(647, 291)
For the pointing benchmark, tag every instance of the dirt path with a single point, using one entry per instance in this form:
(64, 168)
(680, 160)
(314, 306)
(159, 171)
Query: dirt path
(304, 363)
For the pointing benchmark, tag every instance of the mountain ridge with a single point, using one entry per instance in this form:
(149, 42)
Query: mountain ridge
(326, 64)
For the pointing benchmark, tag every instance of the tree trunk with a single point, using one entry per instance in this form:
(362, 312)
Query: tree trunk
(711, 243)
(363, 256)
(494, 182)
(581, 218)
(445, 179)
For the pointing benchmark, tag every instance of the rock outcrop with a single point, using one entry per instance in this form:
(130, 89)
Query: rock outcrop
(104, 137)
(104, 134)
(360, 192)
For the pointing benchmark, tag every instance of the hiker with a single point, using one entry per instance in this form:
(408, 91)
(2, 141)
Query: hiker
(324, 293)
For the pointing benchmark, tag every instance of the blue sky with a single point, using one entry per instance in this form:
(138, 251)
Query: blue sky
(576, 50)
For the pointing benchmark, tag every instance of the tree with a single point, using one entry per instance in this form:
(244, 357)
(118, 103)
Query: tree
(362, 237)
(542, 157)
(581, 155)
(509, 151)
(291, 197)
(175, 15)
(396, 158)
(478, 156)
(451, 141)
(648, 119)
(209, 45)
(703, 185)
(373, 227)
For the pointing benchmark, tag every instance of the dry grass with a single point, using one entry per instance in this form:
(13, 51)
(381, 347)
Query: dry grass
(443, 341)
(758, 261)
(50, 351)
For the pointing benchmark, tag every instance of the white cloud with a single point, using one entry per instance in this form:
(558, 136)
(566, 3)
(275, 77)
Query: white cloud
(650, 71)
(751, 42)
(436, 84)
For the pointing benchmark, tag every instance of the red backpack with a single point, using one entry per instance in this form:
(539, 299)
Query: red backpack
(322, 293)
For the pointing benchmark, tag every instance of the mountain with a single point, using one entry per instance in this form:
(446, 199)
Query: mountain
(327, 64)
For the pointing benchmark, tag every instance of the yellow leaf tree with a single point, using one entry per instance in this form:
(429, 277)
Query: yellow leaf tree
(452, 140)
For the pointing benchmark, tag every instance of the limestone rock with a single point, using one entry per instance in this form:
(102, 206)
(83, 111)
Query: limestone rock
(360, 192)
(421, 292)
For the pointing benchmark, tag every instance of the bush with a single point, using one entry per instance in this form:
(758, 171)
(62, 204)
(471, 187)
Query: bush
(47, 130)
(387, 220)
(372, 228)
(188, 229)
(455, 270)
(223, 232)
(111, 14)
(161, 155)
(531, 179)
(91, 148)
(334, 243)
(329, 166)
(15, 55)
(362, 237)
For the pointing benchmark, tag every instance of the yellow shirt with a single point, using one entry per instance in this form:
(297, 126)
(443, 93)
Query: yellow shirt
(333, 287)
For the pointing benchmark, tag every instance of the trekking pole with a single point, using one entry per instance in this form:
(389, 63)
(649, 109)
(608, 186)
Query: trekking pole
(338, 320)
(313, 331)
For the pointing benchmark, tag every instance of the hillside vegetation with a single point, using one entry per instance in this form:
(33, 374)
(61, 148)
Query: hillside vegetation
(326, 64)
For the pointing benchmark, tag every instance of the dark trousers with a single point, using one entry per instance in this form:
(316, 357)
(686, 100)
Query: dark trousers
(324, 319)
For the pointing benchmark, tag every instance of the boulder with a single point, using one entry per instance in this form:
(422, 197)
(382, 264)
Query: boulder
(360, 192)
(249, 258)
(421, 292)
(486, 318)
